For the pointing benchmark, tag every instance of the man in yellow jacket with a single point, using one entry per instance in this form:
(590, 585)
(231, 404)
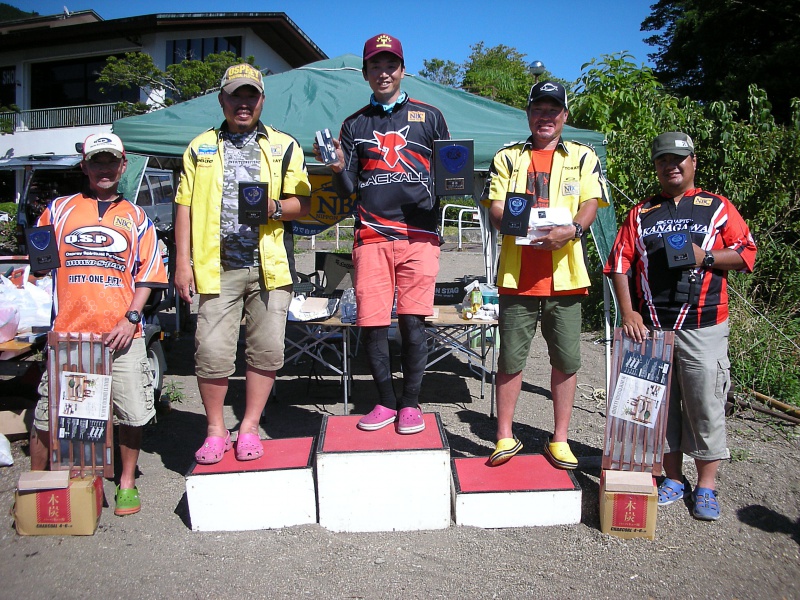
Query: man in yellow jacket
(548, 276)
(239, 270)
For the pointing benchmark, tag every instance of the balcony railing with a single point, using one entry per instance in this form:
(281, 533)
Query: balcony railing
(65, 116)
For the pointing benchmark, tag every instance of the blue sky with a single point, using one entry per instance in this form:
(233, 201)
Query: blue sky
(563, 35)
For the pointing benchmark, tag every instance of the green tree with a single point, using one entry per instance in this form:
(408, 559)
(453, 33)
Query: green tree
(499, 73)
(627, 103)
(713, 49)
(444, 72)
(181, 81)
(6, 122)
(12, 13)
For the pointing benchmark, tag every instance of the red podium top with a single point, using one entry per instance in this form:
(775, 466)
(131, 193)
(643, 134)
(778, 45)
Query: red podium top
(340, 434)
(523, 473)
(291, 453)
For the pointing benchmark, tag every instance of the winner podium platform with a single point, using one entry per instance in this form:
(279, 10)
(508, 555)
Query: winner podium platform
(381, 480)
(273, 491)
(526, 491)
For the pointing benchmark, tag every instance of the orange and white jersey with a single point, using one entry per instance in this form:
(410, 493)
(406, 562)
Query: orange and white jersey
(103, 259)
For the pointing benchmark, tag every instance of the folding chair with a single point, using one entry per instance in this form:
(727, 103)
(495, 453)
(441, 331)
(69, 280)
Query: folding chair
(330, 269)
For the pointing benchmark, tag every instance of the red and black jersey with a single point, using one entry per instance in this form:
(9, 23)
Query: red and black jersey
(639, 252)
(388, 159)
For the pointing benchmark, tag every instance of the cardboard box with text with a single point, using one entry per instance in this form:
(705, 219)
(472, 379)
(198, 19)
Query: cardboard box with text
(628, 504)
(48, 503)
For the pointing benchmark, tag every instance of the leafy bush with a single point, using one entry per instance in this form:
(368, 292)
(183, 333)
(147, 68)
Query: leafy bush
(8, 229)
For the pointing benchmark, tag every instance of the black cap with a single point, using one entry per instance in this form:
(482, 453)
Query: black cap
(548, 89)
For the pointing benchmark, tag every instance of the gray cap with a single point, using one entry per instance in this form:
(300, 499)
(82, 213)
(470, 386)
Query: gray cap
(673, 142)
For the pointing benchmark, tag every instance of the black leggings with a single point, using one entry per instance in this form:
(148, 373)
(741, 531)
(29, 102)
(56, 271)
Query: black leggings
(414, 355)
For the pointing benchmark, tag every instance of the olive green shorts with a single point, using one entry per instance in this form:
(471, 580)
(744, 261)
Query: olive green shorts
(561, 329)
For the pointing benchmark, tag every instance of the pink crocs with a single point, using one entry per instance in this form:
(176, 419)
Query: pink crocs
(409, 420)
(378, 417)
(210, 453)
(248, 447)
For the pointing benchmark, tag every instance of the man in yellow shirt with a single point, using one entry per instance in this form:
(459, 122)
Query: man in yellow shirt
(238, 269)
(550, 275)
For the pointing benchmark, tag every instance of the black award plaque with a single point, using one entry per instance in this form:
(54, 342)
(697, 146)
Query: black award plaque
(680, 253)
(453, 165)
(516, 214)
(253, 203)
(42, 248)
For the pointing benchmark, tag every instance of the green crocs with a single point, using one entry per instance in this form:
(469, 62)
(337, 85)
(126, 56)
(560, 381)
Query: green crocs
(128, 502)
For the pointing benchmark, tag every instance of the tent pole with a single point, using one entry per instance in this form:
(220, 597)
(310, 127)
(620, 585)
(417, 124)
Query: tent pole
(607, 332)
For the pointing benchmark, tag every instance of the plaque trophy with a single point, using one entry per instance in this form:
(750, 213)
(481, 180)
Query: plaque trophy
(253, 203)
(678, 246)
(453, 165)
(42, 248)
(516, 215)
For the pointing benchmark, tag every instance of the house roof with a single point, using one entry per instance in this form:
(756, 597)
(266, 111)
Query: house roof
(275, 28)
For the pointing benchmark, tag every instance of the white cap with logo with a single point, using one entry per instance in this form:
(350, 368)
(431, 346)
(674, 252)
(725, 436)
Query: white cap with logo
(103, 142)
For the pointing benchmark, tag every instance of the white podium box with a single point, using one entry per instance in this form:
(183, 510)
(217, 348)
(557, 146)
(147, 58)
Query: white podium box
(380, 480)
(273, 491)
(526, 491)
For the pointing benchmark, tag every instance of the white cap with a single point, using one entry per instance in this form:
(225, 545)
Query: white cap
(103, 142)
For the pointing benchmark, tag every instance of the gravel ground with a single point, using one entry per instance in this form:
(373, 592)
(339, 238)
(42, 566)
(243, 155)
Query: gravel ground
(752, 551)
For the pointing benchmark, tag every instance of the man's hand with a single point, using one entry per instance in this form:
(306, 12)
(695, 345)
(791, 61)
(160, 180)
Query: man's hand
(184, 281)
(556, 238)
(633, 326)
(121, 336)
(338, 166)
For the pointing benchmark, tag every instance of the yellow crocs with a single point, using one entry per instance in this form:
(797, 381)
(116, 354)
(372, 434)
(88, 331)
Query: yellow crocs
(560, 455)
(504, 450)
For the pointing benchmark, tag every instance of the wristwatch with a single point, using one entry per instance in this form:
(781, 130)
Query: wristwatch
(578, 230)
(708, 260)
(133, 316)
(278, 211)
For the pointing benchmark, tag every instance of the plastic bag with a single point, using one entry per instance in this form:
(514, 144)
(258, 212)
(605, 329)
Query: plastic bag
(33, 302)
(9, 321)
(348, 306)
(302, 309)
(6, 460)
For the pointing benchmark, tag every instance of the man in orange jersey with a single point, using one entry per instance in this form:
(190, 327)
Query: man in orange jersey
(102, 288)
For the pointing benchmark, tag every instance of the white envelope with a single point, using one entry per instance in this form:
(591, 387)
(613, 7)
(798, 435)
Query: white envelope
(542, 220)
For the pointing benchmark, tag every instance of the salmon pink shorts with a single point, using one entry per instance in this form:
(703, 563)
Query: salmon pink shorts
(409, 265)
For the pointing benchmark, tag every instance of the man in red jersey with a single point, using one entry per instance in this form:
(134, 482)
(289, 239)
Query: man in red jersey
(103, 289)
(385, 152)
(692, 301)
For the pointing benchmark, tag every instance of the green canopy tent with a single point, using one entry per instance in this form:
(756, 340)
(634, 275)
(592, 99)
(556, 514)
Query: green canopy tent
(324, 93)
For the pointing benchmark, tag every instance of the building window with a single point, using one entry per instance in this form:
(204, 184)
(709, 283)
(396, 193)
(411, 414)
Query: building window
(200, 48)
(73, 83)
(8, 86)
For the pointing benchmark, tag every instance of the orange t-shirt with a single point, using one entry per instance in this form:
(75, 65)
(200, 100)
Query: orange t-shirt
(536, 268)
